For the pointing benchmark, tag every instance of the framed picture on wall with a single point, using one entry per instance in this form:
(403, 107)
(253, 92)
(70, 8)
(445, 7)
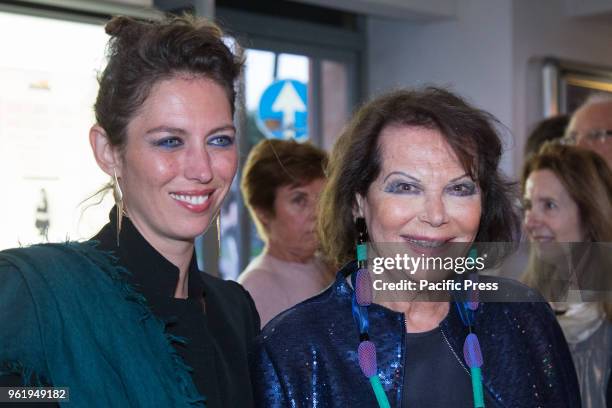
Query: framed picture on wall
(567, 84)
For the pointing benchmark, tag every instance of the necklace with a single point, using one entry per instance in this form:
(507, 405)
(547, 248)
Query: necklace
(362, 299)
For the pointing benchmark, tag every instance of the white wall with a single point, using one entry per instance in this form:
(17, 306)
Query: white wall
(413, 9)
(544, 28)
(490, 53)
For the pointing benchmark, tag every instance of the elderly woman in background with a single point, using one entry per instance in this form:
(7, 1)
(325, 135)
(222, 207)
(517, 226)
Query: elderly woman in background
(568, 199)
(281, 185)
(418, 169)
(142, 327)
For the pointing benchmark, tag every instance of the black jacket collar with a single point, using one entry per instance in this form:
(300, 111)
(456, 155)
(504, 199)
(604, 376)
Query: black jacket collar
(152, 274)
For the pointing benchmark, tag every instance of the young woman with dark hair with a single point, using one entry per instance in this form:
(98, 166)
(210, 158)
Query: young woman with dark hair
(127, 319)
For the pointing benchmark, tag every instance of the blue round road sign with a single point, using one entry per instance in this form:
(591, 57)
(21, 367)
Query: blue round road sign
(283, 111)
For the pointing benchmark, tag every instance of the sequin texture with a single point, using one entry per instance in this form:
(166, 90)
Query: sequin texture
(307, 356)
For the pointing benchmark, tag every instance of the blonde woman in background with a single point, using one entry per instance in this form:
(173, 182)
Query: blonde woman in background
(568, 199)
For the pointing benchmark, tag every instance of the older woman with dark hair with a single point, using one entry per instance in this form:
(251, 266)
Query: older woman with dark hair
(281, 184)
(418, 170)
(567, 194)
(127, 319)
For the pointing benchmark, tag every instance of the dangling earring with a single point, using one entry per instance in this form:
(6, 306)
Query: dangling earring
(362, 241)
(362, 232)
(219, 230)
(363, 283)
(118, 196)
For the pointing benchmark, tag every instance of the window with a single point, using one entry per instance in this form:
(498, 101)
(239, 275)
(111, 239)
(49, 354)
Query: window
(325, 61)
(48, 83)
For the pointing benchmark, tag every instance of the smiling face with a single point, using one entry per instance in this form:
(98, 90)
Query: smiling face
(550, 213)
(422, 195)
(179, 159)
(290, 231)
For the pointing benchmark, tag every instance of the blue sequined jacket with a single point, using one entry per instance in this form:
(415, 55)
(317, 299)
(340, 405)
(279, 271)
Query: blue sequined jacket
(306, 356)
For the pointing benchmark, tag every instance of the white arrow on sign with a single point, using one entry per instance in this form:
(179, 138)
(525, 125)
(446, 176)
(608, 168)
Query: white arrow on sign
(288, 102)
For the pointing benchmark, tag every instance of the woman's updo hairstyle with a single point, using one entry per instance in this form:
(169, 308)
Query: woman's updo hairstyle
(140, 54)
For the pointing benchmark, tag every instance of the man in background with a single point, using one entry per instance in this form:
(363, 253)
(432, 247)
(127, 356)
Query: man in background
(591, 126)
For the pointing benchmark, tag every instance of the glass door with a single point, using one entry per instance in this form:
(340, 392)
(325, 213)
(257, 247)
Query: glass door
(291, 89)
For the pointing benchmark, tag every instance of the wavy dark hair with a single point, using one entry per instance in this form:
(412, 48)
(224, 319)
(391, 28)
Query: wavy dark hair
(142, 53)
(355, 163)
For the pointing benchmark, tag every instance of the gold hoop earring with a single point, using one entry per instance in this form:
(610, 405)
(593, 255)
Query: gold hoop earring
(118, 196)
(219, 230)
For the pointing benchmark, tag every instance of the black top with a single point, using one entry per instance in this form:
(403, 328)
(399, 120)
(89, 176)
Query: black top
(434, 376)
(217, 320)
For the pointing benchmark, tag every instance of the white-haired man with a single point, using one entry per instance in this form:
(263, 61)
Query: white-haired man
(591, 126)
